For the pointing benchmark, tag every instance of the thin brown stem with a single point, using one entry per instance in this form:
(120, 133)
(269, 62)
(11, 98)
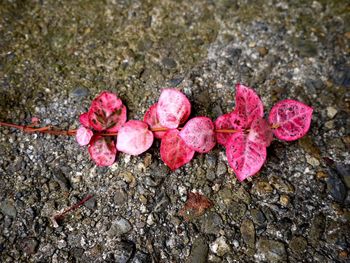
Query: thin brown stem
(61, 215)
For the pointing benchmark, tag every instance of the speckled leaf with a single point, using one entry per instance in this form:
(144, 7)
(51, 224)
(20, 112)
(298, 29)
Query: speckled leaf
(84, 120)
(199, 134)
(248, 105)
(83, 135)
(134, 138)
(173, 108)
(292, 119)
(228, 121)
(107, 113)
(102, 150)
(260, 132)
(174, 151)
(244, 156)
(152, 120)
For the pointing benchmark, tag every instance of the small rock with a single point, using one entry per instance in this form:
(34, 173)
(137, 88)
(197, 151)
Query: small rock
(211, 223)
(331, 112)
(298, 245)
(271, 251)
(262, 51)
(169, 63)
(62, 181)
(282, 185)
(61, 244)
(120, 197)
(29, 245)
(129, 178)
(91, 203)
(199, 251)
(119, 227)
(248, 232)
(7, 208)
(312, 161)
(221, 169)
(262, 188)
(335, 186)
(284, 200)
(317, 229)
(344, 171)
(258, 216)
(220, 246)
(80, 92)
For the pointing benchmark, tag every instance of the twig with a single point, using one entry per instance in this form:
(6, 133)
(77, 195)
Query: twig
(59, 217)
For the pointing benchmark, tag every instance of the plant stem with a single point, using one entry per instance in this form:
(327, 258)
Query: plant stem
(53, 131)
(60, 216)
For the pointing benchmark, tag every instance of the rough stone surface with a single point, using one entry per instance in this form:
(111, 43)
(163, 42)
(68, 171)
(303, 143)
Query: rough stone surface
(56, 56)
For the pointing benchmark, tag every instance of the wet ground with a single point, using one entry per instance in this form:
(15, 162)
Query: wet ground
(58, 55)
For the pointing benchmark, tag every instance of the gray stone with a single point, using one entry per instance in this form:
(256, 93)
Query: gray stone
(271, 250)
(211, 223)
(80, 92)
(8, 208)
(335, 186)
(119, 227)
(169, 63)
(344, 171)
(248, 232)
(221, 169)
(120, 197)
(199, 251)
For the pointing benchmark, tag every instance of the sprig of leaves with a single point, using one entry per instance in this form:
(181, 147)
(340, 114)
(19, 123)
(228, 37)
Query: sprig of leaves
(243, 132)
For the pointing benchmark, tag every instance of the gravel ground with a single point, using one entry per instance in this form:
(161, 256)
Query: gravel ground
(56, 56)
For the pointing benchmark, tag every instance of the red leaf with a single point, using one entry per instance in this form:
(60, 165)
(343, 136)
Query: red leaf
(134, 138)
(260, 132)
(228, 121)
(107, 113)
(84, 120)
(199, 134)
(195, 206)
(102, 150)
(292, 118)
(152, 120)
(83, 135)
(248, 105)
(174, 151)
(244, 156)
(173, 108)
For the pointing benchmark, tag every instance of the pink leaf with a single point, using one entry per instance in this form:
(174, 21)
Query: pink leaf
(134, 138)
(84, 135)
(174, 151)
(199, 134)
(173, 108)
(228, 121)
(152, 120)
(248, 104)
(102, 150)
(292, 119)
(260, 132)
(107, 112)
(84, 119)
(244, 156)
